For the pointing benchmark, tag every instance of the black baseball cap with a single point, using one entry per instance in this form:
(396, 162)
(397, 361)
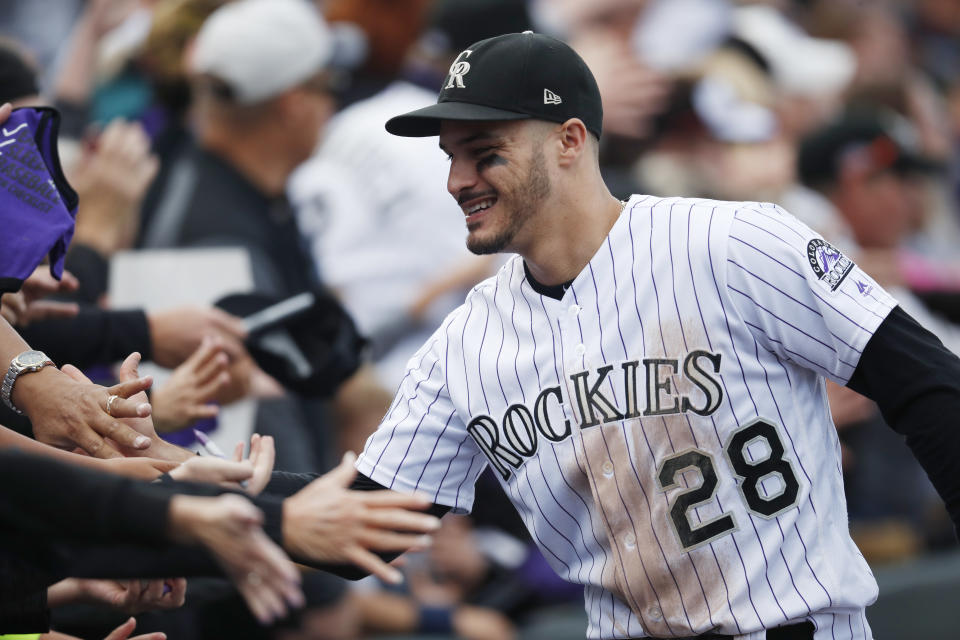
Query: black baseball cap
(308, 343)
(867, 138)
(516, 76)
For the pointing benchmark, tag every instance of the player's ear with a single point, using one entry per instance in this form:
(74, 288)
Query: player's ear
(572, 136)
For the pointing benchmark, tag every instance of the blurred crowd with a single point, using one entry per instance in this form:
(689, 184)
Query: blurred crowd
(189, 129)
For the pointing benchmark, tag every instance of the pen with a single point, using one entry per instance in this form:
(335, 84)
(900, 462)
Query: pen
(211, 447)
(208, 445)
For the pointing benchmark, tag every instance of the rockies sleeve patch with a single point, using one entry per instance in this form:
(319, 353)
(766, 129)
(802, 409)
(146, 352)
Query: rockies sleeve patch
(828, 263)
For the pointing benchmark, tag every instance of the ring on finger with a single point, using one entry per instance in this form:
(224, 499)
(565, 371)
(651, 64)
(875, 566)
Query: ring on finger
(110, 400)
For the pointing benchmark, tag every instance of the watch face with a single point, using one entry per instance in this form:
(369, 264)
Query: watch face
(31, 358)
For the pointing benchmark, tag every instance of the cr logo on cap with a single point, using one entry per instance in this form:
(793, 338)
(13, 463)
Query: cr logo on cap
(458, 69)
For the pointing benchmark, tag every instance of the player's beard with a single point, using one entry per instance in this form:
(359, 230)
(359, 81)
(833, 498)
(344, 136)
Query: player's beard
(518, 205)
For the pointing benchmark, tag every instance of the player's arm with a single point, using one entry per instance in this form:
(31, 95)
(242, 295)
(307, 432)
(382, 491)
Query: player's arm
(915, 381)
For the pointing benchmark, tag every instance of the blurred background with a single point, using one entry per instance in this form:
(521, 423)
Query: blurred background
(845, 112)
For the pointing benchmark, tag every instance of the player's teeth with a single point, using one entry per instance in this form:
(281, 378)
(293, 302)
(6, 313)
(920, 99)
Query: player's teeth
(486, 204)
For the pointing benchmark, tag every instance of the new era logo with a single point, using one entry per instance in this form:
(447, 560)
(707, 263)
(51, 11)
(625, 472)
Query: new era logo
(549, 97)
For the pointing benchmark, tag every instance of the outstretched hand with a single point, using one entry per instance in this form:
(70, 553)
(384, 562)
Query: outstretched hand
(25, 306)
(129, 596)
(326, 522)
(185, 397)
(141, 424)
(123, 633)
(251, 475)
(67, 411)
(229, 527)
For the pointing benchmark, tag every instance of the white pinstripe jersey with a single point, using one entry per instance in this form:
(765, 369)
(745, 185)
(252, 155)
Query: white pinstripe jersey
(663, 430)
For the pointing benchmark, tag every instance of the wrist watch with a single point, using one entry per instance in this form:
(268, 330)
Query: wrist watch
(26, 362)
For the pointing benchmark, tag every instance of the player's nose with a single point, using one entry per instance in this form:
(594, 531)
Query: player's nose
(463, 175)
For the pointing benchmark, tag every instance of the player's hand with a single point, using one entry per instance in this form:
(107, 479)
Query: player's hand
(185, 397)
(229, 526)
(68, 411)
(177, 333)
(326, 522)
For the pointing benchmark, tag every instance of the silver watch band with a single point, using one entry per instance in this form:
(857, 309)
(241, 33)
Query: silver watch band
(16, 369)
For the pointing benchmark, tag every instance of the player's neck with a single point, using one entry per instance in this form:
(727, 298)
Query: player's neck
(569, 236)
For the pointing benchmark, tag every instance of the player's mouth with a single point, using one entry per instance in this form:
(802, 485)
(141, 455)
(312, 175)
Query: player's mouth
(475, 209)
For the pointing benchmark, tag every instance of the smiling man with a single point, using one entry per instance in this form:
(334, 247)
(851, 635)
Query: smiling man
(646, 377)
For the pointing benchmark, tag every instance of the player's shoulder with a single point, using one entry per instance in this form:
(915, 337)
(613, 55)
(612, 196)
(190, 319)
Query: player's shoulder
(506, 278)
(482, 299)
(723, 213)
(492, 295)
(691, 206)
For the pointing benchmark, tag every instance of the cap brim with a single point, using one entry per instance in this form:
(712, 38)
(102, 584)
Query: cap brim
(426, 122)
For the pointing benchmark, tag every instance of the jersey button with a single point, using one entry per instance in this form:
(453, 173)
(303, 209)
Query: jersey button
(607, 468)
(630, 541)
(574, 310)
(580, 349)
(655, 614)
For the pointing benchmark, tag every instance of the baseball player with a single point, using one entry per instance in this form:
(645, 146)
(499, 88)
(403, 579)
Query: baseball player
(646, 378)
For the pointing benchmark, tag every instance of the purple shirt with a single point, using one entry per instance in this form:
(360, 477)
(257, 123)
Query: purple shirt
(37, 205)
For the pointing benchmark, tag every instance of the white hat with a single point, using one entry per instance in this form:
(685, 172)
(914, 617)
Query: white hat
(261, 48)
(800, 64)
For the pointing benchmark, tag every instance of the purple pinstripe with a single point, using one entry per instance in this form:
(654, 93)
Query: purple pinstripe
(413, 436)
(783, 538)
(826, 373)
(756, 412)
(859, 303)
(790, 324)
(726, 393)
(409, 400)
(603, 511)
(626, 355)
(630, 458)
(570, 440)
(434, 450)
(716, 432)
(802, 304)
(799, 460)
